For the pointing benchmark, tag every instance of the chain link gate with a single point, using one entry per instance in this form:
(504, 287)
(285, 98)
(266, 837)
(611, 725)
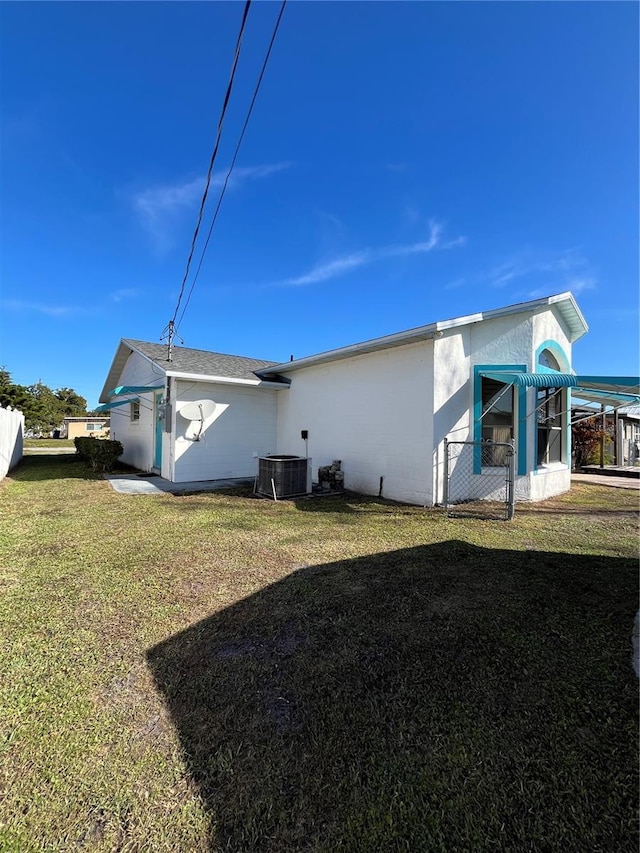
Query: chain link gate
(479, 479)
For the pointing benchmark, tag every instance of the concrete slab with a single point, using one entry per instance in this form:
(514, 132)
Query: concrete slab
(612, 470)
(134, 484)
(608, 481)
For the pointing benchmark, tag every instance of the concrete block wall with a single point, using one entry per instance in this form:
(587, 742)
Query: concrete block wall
(241, 428)
(373, 412)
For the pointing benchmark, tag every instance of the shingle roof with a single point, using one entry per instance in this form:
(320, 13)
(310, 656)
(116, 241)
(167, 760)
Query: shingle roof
(203, 362)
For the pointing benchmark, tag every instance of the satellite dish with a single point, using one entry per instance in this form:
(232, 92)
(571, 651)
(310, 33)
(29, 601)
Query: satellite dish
(199, 410)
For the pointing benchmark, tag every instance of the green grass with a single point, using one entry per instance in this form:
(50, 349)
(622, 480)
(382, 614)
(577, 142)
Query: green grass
(217, 672)
(56, 443)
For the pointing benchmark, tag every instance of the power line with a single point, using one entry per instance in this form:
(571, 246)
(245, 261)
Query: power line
(213, 157)
(233, 161)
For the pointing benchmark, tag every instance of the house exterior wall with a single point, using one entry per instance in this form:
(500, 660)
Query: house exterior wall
(241, 428)
(505, 341)
(371, 411)
(137, 437)
(78, 428)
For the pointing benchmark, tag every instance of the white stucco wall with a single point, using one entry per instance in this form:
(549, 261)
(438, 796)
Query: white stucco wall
(373, 412)
(512, 340)
(241, 428)
(137, 437)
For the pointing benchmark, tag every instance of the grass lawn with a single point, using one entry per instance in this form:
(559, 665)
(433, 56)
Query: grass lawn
(221, 673)
(54, 443)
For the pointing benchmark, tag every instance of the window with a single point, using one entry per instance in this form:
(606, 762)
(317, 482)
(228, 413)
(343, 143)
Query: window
(93, 427)
(550, 420)
(546, 359)
(135, 410)
(550, 432)
(497, 420)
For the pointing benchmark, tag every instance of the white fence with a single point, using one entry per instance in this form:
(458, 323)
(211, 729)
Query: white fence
(11, 438)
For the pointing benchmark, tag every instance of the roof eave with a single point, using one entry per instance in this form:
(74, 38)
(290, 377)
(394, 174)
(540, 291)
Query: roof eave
(423, 333)
(565, 302)
(224, 380)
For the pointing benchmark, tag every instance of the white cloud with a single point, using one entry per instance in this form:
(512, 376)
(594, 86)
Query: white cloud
(579, 285)
(158, 207)
(563, 267)
(124, 293)
(340, 266)
(332, 269)
(21, 307)
(542, 273)
(455, 284)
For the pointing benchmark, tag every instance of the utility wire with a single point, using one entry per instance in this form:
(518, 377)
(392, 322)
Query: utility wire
(213, 157)
(233, 161)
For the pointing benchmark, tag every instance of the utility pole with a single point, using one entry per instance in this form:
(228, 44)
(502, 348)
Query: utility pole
(169, 334)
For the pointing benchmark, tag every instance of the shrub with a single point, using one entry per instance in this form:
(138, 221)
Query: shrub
(100, 453)
(585, 440)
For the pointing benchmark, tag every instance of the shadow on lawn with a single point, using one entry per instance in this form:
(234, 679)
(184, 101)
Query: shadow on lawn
(444, 697)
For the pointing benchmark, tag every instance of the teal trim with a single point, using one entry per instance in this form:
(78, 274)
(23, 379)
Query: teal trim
(499, 370)
(105, 406)
(522, 431)
(567, 430)
(609, 398)
(132, 389)
(556, 350)
(157, 461)
(607, 383)
(550, 379)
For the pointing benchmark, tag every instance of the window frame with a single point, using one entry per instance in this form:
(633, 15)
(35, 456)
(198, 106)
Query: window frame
(519, 414)
(550, 358)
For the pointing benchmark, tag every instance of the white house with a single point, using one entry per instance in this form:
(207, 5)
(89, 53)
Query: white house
(384, 407)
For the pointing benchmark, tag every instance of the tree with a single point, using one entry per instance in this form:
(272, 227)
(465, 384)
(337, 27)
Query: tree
(585, 440)
(16, 396)
(73, 405)
(43, 409)
(46, 410)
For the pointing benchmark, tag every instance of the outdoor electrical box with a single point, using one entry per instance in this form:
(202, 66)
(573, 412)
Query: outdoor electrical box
(304, 434)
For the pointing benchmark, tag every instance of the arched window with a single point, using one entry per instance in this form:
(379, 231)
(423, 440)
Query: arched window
(548, 359)
(550, 406)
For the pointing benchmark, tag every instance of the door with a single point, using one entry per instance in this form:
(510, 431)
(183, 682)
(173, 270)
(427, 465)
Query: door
(157, 456)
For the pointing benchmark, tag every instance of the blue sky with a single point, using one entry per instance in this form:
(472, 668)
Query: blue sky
(405, 163)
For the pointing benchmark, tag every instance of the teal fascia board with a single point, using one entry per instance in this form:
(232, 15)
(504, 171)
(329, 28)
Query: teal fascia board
(548, 379)
(133, 389)
(106, 406)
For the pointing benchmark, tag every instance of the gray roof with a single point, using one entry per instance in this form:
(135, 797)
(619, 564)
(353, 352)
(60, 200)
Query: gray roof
(203, 362)
(185, 361)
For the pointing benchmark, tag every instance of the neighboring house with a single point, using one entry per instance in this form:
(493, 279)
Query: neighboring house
(90, 426)
(629, 435)
(383, 407)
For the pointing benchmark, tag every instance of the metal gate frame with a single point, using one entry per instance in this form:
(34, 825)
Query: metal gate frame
(470, 502)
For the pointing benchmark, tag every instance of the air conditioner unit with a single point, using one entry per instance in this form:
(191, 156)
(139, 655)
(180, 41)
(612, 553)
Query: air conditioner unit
(283, 476)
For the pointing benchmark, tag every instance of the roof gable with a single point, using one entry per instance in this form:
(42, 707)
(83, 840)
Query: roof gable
(185, 361)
